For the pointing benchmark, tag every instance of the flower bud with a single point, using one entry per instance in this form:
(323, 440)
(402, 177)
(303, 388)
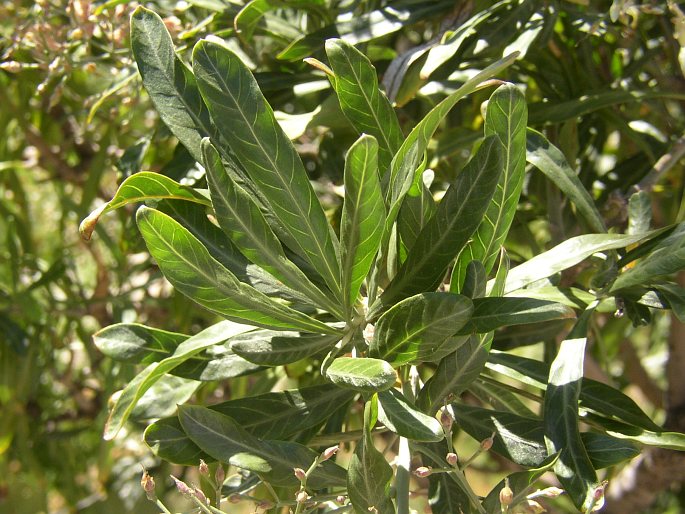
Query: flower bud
(486, 444)
(548, 492)
(300, 474)
(506, 495)
(200, 495)
(301, 496)
(446, 420)
(423, 471)
(182, 487)
(529, 507)
(340, 499)
(148, 485)
(203, 468)
(452, 459)
(219, 475)
(328, 453)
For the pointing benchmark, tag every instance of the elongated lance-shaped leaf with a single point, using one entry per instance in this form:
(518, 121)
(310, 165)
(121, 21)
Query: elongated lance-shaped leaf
(225, 440)
(247, 121)
(140, 187)
(453, 375)
(270, 348)
(457, 216)
(363, 214)
(362, 102)
(506, 118)
(289, 412)
(562, 434)
(661, 262)
(414, 328)
(492, 313)
(132, 342)
(551, 162)
(361, 374)
(368, 474)
(170, 84)
(147, 378)
(242, 221)
(247, 20)
(187, 264)
(567, 254)
(194, 218)
(400, 416)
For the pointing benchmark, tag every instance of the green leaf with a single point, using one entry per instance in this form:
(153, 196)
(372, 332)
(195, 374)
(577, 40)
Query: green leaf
(675, 297)
(594, 396)
(129, 342)
(562, 434)
(170, 84)
(662, 261)
(400, 416)
(495, 312)
(187, 264)
(506, 118)
(567, 254)
(163, 397)
(269, 348)
(242, 221)
(194, 218)
(144, 380)
(453, 375)
(225, 440)
(457, 216)
(620, 430)
(473, 283)
(139, 188)
(551, 162)
(413, 329)
(557, 112)
(361, 374)
(283, 414)
(369, 475)
(606, 451)
(639, 213)
(367, 108)
(135, 343)
(238, 108)
(247, 20)
(408, 157)
(363, 214)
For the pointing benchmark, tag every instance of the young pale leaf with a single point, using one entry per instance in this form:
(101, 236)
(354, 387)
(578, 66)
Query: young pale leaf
(369, 475)
(142, 186)
(413, 329)
(243, 222)
(225, 440)
(187, 264)
(620, 430)
(506, 118)
(363, 214)
(562, 434)
(170, 84)
(457, 216)
(238, 108)
(269, 348)
(639, 213)
(551, 162)
(567, 254)
(492, 313)
(454, 374)
(361, 374)
(367, 108)
(147, 378)
(400, 416)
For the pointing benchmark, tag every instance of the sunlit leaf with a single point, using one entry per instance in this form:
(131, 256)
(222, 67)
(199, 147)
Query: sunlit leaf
(400, 416)
(361, 374)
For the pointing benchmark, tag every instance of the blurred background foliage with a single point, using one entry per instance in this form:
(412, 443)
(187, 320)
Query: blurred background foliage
(604, 81)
